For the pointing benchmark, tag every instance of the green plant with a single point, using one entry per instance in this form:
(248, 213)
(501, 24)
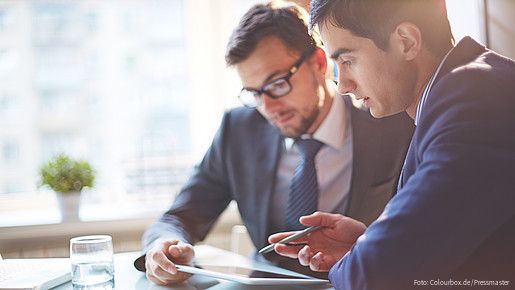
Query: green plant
(64, 174)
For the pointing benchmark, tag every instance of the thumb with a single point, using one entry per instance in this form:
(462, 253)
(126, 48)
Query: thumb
(320, 219)
(181, 251)
(166, 244)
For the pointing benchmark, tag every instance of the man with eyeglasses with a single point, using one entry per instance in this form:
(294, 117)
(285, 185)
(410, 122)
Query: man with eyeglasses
(298, 147)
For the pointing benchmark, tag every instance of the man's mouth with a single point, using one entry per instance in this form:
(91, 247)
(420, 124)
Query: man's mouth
(365, 100)
(283, 118)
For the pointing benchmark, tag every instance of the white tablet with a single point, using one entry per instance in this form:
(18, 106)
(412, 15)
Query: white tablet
(250, 276)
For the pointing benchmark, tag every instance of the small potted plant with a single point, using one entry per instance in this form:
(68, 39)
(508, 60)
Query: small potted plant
(67, 177)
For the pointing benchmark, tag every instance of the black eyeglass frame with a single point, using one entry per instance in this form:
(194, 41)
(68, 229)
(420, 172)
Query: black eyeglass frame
(257, 93)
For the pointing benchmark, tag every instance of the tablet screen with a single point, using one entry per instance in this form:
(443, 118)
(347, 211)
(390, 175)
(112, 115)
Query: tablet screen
(246, 272)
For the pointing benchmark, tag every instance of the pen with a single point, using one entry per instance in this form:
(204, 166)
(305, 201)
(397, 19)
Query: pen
(302, 233)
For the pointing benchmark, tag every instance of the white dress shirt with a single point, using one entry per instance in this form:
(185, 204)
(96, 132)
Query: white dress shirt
(427, 89)
(333, 163)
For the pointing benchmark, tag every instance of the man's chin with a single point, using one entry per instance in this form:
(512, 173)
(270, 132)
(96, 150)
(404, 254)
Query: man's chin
(378, 114)
(375, 113)
(294, 129)
(290, 132)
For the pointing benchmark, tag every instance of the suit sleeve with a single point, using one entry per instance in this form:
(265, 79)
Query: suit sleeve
(460, 194)
(200, 202)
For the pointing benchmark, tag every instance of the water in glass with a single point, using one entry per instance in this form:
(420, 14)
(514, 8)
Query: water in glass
(92, 261)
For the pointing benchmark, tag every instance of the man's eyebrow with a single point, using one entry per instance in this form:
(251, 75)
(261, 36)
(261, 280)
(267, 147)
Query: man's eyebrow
(268, 79)
(341, 51)
(271, 76)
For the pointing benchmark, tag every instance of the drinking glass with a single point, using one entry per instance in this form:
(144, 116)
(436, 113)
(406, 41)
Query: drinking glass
(92, 261)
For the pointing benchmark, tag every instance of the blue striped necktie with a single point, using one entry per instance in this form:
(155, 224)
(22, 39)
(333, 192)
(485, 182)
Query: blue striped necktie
(303, 199)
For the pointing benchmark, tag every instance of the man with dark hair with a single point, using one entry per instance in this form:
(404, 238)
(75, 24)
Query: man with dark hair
(298, 147)
(453, 216)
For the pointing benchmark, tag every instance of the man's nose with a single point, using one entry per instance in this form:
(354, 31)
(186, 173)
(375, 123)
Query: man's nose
(268, 103)
(345, 85)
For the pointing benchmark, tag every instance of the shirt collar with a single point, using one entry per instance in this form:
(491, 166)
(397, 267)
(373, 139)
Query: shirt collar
(332, 130)
(427, 89)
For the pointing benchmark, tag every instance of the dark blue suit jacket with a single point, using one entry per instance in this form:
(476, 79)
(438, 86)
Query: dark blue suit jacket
(454, 214)
(241, 165)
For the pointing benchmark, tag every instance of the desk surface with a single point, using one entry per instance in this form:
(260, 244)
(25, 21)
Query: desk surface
(128, 278)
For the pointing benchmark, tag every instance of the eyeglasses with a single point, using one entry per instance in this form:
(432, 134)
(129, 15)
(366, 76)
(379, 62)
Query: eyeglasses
(275, 89)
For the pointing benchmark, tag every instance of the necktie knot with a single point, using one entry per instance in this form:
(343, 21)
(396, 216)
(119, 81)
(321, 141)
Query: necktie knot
(308, 148)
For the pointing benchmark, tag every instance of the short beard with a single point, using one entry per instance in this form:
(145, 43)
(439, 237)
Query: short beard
(305, 124)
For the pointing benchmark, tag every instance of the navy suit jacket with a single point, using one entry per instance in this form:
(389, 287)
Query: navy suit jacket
(454, 214)
(241, 165)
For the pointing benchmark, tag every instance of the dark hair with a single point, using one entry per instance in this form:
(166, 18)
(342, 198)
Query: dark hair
(376, 19)
(285, 20)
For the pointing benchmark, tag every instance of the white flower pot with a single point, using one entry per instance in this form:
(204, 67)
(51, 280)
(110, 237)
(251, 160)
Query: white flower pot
(69, 204)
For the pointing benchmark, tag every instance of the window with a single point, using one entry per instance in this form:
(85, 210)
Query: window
(11, 152)
(122, 84)
(466, 19)
(5, 18)
(136, 87)
(8, 106)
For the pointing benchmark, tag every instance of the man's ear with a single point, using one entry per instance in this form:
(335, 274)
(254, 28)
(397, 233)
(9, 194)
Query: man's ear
(319, 60)
(407, 39)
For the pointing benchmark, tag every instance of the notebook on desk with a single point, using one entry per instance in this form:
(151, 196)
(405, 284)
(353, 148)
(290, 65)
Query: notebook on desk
(37, 274)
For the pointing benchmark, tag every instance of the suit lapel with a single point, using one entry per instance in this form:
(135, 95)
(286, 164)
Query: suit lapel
(364, 151)
(409, 164)
(269, 145)
(465, 51)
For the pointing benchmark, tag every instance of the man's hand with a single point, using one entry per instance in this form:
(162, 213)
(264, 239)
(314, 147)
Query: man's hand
(160, 261)
(324, 247)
